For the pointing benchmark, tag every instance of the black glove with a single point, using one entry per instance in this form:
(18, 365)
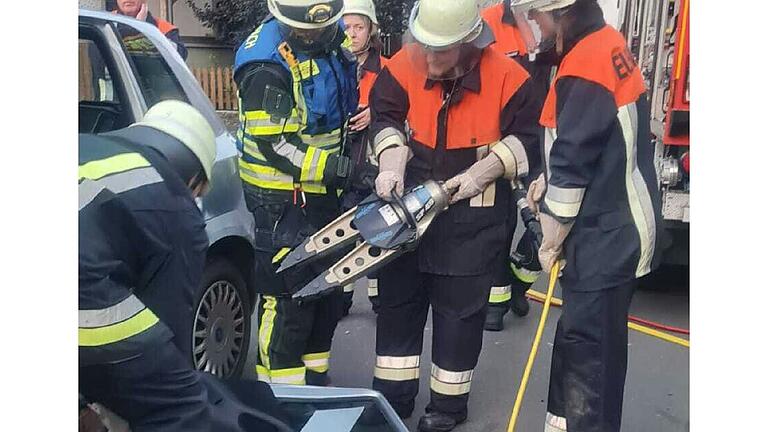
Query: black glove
(527, 252)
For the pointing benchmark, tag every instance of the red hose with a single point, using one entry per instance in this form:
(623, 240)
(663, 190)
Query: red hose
(642, 321)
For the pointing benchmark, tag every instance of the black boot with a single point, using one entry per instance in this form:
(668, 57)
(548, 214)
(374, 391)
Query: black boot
(494, 318)
(439, 422)
(519, 303)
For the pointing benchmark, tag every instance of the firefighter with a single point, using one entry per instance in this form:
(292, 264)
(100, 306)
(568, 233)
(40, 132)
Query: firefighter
(297, 90)
(141, 253)
(138, 9)
(515, 39)
(599, 207)
(362, 27)
(470, 123)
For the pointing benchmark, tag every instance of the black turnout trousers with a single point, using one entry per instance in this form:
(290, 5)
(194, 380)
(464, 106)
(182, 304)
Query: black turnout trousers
(589, 359)
(458, 312)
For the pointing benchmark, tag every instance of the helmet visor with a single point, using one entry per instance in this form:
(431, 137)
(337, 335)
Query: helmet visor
(445, 63)
(538, 29)
(309, 40)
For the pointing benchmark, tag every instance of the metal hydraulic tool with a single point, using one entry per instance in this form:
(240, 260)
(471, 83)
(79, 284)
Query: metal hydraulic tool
(387, 230)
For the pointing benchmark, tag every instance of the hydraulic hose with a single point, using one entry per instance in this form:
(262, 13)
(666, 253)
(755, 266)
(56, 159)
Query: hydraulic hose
(541, 297)
(535, 347)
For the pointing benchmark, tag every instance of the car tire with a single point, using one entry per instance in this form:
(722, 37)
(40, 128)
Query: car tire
(222, 323)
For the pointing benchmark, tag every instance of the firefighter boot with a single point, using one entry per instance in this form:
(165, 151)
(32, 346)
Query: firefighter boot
(439, 422)
(519, 302)
(494, 318)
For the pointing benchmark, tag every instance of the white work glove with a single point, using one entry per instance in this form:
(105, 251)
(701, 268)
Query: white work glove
(392, 163)
(476, 178)
(554, 234)
(535, 193)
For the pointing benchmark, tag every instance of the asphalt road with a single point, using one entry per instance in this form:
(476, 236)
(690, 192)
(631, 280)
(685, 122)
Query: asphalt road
(657, 391)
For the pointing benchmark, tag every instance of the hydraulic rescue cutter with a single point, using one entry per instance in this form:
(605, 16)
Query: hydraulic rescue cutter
(386, 229)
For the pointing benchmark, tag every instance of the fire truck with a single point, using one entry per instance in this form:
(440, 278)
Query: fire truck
(657, 32)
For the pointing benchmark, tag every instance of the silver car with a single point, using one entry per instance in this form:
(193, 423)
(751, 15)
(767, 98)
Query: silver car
(126, 66)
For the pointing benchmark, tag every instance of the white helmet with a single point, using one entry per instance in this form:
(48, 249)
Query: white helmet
(442, 23)
(540, 5)
(361, 7)
(185, 123)
(306, 14)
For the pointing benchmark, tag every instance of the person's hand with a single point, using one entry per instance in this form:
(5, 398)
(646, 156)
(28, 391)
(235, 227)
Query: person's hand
(535, 192)
(475, 179)
(361, 120)
(391, 176)
(142, 15)
(555, 233)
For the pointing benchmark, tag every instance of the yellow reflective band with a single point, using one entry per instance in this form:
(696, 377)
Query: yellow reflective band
(451, 377)
(97, 169)
(317, 362)
(307, 165)
(262, 373)
(449, 389)
(499, 298)
(271, 178)
(116, 332)
(296, 376)
(281, 376)
(524, 275)
(397, 362)
(396, 374)
(321, 166)
(280, 255)
(266, 328)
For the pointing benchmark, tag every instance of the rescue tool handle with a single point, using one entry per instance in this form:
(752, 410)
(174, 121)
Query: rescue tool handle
(408, 216)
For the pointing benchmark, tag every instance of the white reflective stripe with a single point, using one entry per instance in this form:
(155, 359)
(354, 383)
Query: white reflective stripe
(498, 290)
(564, 202)
(290, 152)
(117, 183)
(373, 287)
(114, 314)
(520, 157)
(550, 135)
(320, 140)
(396, 374)
(451, 377)
(565, 195)
(386, 138)
(350, 287)
(449, 389)
(637, 191)
(317, 364)
(392, 362)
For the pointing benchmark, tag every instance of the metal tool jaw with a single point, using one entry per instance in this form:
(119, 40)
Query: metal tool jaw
(388, 229)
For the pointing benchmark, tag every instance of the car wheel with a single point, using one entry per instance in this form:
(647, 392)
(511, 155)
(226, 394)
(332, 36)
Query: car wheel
(222, 326)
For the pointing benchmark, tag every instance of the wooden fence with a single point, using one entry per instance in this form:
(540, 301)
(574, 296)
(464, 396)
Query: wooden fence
(218, 84)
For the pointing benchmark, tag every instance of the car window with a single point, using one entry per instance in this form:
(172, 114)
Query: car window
(155, 77)
(95, 81)
(346, 416)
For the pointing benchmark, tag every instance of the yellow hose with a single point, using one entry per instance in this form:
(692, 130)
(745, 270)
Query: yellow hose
(634, 326)
(535, 347)
(548, 301)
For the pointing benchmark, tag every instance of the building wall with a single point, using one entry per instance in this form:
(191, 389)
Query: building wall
(91, 4)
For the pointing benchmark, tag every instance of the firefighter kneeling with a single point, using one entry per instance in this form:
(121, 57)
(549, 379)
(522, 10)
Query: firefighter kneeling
(471, 123)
